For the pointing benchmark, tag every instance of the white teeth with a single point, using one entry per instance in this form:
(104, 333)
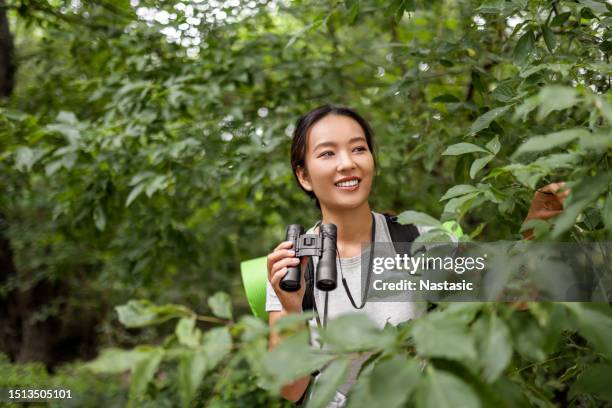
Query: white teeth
(350, 183)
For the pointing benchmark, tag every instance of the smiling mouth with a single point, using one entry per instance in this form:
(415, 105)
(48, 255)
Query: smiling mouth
(350, 184)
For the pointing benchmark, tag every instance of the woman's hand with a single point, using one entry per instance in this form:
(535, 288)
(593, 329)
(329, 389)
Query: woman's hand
(279, 260)
(547, 202)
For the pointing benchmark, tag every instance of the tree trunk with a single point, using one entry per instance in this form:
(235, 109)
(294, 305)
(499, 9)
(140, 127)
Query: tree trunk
(7, 62)
(62, 336)
(10, 322)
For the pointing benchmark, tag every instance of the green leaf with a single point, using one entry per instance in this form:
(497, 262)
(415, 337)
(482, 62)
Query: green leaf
(134, 193)
(555, 97)
(388, 383)
(115, 361)
(528, 105)
(332, 377)
(594, 380)
(216, 343)
(140, 313)
(68, 118)
(26, 158)
(493, 146)
(550, 141)
(140, 177)
(252, 328)
(605, 108)
(70, 131)
(143, 373)
(549, 38)
(562, 68)
(435, 235)
(484, 120)
(462, 148)
(99, 218)
(584, 193)
(444, 336)
(361, 395)
(353, 12)
(458, 206)
(221, 305)
(491, 7)
(477, 230)
(479, 163)
(606, 47)
(294, 321)
(594, 324)
(504, 92)
(494, 346)
(409, 5)
(191, 370)
(458, 190)
(67, 161)
(417, 218)
(354, 332)
(587, 14)
(155, 184)
(186, 332)
(524, 47)
(441, 389)
(399, 12)
(393, 381)
(292, 359)
(559, 19)
(597, 142)
(300, 33)
(558, 161)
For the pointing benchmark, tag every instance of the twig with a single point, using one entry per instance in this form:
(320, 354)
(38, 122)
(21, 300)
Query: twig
(211, 319)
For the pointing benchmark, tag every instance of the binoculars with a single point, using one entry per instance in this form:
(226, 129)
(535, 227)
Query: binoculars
(321, 245)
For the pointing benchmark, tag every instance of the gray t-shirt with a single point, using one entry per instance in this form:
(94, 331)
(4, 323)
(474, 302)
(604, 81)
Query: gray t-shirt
(339, 303)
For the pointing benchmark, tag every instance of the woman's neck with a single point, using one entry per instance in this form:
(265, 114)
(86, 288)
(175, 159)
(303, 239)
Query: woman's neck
(354, 226)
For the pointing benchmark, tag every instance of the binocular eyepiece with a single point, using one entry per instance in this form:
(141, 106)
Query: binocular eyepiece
(321, 245)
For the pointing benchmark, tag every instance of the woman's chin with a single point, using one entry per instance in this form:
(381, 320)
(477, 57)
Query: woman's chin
(348, 203)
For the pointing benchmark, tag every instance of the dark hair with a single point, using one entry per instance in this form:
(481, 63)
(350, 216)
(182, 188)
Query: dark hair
(307, 121)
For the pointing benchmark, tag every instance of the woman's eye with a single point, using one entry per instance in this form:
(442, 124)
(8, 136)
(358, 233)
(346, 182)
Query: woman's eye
(360, 149)
(326, 153)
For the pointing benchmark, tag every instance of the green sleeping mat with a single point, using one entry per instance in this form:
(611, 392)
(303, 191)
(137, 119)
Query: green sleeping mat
(255, 278)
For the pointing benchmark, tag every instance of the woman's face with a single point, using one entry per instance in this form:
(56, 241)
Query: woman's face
(339, 164)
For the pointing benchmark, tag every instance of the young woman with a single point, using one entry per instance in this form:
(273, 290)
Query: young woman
(333, 160)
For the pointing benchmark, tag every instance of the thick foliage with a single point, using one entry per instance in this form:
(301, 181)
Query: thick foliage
(145, 153)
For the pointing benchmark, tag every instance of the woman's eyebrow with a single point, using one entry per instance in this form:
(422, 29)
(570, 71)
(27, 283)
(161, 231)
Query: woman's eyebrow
(330, 143)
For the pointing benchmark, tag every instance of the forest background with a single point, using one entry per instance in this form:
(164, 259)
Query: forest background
(144, 153)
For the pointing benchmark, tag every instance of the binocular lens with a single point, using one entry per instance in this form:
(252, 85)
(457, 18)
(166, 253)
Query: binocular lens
(326, 284)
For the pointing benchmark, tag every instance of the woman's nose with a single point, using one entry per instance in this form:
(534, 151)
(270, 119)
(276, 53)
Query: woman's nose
(346, 162)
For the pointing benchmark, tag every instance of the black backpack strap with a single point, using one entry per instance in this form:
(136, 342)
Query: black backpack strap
(401, 234)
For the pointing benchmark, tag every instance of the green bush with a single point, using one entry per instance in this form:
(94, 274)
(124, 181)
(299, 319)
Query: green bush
(86, 389)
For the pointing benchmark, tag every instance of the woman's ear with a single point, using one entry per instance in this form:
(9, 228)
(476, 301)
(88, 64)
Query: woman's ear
(303, 177)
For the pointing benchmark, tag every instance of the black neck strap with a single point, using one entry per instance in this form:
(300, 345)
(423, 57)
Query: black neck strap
(348, 292)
